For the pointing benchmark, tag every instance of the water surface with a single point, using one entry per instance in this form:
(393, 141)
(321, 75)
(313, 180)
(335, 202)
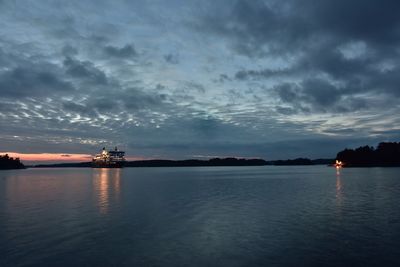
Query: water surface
(204, 216)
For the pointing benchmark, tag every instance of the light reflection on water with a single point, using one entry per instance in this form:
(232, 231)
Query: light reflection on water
(106, 185)
(339, 190)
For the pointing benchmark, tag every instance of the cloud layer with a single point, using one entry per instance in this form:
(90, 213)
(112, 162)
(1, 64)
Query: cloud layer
(257, 78)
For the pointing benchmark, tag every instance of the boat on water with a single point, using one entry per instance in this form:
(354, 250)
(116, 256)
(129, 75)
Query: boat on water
(109, 159)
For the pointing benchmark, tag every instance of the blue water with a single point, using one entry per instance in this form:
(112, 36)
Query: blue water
(217, 216)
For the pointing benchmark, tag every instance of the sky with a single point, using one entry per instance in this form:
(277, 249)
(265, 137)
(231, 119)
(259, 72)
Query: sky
(198, 79)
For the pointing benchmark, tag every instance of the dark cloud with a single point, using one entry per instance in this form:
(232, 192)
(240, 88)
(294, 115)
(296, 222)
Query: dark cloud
(321, 93)
(387, 81)
(317, 95)
(69, 51)
(262, 74)
(260, 26)
(172, 58)
(372, 21)
(85, 70)
(104, 103)
(329, 60)
(288, 92)
(223, 78)
(285, 110)
(194, 86)
(118, 101)
(32, 82)
(137, 98)
(128, 51)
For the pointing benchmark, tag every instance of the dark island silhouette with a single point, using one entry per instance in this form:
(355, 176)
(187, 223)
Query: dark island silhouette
(9, 163)
(202, 163)
(387, 154)
(302, 161)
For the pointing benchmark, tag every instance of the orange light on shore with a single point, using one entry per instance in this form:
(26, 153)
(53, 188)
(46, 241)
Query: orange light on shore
(338, 164)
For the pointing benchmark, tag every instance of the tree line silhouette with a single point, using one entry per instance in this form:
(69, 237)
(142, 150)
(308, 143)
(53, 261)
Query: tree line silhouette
(7, 163)
(201, 163)
(387, 154)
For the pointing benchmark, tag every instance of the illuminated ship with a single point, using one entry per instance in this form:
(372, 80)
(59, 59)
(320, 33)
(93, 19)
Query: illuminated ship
(109, 159)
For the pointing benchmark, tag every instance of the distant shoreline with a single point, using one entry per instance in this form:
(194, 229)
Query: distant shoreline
(385, 155)
(216, 162)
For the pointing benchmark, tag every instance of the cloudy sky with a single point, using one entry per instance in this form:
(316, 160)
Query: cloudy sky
(193, 79)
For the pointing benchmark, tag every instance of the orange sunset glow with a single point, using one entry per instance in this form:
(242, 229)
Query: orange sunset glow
(55, 157)
(46, 157)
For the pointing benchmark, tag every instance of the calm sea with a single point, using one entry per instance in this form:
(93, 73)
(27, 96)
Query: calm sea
(217, 216)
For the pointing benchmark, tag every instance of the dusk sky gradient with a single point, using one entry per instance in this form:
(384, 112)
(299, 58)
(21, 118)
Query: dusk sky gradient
(198, 79)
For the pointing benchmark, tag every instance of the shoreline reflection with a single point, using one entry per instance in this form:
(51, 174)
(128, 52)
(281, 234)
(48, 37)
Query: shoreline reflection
(107, 187)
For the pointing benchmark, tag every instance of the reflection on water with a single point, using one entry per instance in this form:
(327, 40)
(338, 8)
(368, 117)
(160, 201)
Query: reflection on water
(36, 187)
(339, 188)
(209, 216)
(337, 171)
(106, 185)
